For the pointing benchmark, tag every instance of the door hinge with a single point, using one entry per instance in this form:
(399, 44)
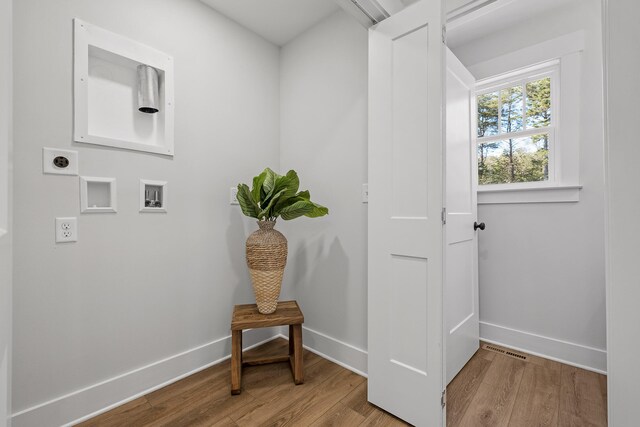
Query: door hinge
(444, 216)
(443, 398)
(444, 34)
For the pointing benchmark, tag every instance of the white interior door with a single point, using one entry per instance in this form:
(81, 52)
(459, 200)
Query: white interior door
(461, 251)
(406, 78)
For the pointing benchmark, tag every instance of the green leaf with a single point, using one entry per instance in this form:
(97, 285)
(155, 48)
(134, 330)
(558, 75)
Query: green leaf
(258, 182)
(289, 183)
(282, 203)
(247, 204)
(292, 183)
(270, 182)
(288, 201)
(284, 189)
(298, 209)
(265, 211)
(274, 195)
(304, 195)
(317, 211)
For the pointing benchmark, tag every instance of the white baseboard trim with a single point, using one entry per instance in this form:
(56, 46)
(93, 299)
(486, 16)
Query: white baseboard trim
(88, 402)
(592, 359)
(95, 399)
(336, 351)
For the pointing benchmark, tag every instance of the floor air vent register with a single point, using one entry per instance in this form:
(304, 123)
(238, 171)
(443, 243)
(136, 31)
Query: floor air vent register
(509, 353)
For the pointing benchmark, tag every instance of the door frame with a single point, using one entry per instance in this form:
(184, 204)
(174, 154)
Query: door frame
(612, 371)
(6, 192)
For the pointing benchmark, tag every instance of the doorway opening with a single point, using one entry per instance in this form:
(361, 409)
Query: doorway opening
(526, 296)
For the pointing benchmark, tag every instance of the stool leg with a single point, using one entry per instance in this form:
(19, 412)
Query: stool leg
(298, 373)
(290, 340)
(236, 361)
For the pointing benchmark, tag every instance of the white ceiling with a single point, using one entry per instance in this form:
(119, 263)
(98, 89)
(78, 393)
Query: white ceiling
(278, 21)
(497, 16)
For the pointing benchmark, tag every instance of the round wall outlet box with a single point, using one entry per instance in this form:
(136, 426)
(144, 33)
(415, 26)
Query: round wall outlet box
(61, 162)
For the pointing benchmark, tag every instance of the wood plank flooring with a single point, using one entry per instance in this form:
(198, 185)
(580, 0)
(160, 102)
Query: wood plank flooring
(491, 390)
(497, 390)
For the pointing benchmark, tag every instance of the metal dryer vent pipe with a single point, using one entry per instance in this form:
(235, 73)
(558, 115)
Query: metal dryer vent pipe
(148, 92)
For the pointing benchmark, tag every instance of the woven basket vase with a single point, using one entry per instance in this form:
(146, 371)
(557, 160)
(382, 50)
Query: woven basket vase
(266, 258)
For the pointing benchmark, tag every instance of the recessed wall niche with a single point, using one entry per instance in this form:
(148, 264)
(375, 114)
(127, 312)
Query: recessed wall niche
(97, 195)
(154, 196)
(123, 92)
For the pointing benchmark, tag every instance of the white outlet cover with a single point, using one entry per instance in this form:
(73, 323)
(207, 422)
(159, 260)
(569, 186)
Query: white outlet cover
(66, 230)
(233, 196)
(48, 154)
(365, 193)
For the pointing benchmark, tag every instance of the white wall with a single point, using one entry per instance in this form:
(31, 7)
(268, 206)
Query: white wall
(124, 298)
(542, 265)
(324, 137)
(623, 175)
(141, 298)
(5, 208)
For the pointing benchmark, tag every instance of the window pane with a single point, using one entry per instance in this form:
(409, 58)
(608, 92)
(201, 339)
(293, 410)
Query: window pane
(539, 103)
(511, 116)
(488, 114)
(514, 160)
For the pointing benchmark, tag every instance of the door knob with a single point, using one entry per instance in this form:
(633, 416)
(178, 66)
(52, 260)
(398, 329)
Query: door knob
(481, 226)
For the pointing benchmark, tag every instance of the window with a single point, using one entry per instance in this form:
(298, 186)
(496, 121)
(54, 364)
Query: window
(559, 59)
(516, 121)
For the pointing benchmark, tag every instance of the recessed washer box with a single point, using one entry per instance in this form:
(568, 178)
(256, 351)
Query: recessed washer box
(154, 196)
(106, 92)
(98, 195)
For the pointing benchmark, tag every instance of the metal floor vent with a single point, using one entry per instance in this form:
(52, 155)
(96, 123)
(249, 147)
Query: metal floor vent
(505, 352)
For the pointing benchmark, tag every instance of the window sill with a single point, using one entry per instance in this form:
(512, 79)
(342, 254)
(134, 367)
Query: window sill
(555, 194)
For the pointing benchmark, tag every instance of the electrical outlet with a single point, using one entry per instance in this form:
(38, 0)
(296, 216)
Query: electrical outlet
(365, 193)
(66, 230)
(233, 196)
(59, 162)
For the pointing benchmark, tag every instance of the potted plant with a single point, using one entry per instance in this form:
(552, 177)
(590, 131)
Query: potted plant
(272, 196)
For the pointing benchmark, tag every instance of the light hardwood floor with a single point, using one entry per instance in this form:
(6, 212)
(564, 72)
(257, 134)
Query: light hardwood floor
(497, 390)
(491, 390)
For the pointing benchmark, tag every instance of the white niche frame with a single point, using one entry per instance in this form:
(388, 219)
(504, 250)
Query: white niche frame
(85, 207)
(164, 197)
(121, 50)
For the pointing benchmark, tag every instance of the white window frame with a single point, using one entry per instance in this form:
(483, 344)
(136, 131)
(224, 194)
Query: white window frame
(564, 156)
(521, 78)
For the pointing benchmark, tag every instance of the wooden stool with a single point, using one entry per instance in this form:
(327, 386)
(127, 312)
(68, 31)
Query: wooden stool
(246, 316)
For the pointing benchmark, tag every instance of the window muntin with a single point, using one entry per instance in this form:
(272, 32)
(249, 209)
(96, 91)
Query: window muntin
(516, 128)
